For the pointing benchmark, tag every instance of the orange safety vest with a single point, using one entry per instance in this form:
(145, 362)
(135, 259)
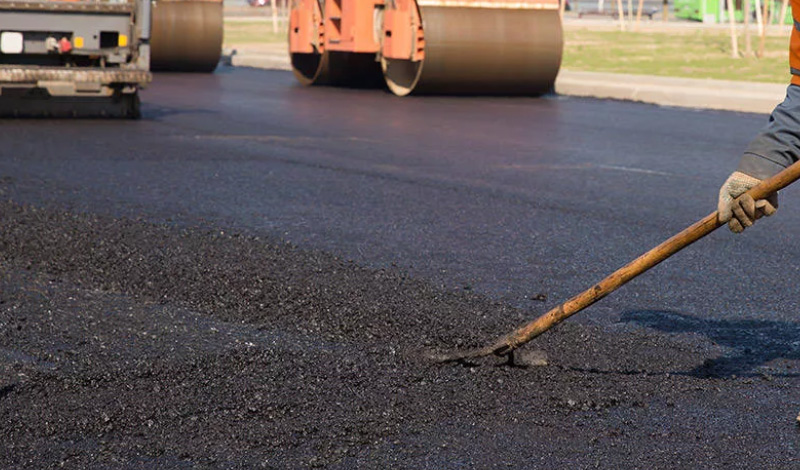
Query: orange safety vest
(794, 44)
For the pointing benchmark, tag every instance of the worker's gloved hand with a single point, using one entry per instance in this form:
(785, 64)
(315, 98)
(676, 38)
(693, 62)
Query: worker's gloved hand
(743, 212)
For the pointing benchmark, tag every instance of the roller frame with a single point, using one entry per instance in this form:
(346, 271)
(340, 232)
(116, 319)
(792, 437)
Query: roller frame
(341, 52)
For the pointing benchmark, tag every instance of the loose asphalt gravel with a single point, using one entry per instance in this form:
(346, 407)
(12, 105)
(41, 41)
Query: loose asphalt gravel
(138, 332)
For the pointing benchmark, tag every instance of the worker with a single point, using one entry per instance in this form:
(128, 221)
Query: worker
(776, 147)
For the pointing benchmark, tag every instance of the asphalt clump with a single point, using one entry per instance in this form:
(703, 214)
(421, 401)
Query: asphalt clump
(127, 344)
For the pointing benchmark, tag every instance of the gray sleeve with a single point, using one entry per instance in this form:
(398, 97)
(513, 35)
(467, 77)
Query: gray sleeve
(778, 144)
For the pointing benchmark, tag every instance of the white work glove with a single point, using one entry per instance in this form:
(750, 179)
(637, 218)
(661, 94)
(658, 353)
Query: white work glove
(743, 212)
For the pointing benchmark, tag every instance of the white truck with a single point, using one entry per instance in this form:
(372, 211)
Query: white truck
(68, 57)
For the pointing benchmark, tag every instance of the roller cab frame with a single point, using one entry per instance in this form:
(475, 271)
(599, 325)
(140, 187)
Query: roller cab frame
(484, 47)
(73, 57)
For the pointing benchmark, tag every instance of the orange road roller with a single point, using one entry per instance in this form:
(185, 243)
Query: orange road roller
(186, 35)
(481, 47)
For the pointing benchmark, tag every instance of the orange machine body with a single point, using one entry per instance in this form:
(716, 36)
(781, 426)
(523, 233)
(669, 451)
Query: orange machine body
(306, 28)
(794, 44)
(344, 26)
(350, 26)
(403, 36)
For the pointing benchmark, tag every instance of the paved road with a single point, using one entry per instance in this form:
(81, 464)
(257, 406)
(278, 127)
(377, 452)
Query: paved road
(508, 198)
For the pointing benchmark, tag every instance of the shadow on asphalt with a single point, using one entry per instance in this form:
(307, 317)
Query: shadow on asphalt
(158, 112)
(754, 342)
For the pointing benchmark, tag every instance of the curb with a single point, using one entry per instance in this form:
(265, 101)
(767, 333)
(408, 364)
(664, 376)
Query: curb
(751, 97)
(724, 95)
(270, 59)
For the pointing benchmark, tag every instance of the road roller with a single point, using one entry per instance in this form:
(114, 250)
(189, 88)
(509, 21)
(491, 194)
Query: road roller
(186, 35)
(470, 47)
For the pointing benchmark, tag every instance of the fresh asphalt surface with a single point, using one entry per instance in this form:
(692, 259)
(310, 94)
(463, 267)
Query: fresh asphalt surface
(493, 203)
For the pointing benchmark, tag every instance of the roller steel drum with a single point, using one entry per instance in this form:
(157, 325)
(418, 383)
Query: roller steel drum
(483, 51)
(310, 68)
(186, 35)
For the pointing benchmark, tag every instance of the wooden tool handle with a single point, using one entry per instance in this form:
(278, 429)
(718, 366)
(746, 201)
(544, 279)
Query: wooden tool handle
(698, 230)
(777, 182)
